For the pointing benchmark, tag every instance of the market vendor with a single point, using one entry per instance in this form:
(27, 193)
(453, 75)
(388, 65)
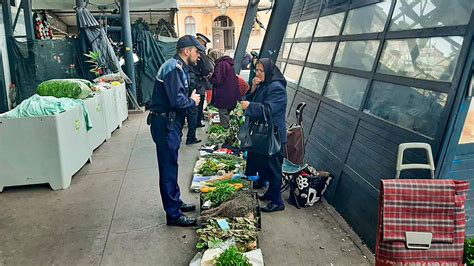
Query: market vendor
(268, 94)
(168, 108)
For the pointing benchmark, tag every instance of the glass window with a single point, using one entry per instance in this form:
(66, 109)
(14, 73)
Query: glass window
(416, 109)
(329, 25)
(286, 50)
(313, 79)
(293, 73)
(306, 28)
(299, 51)
(321, 52)
(423, 58)
(357, 54)
(367, 19)
(190, 26)
(346, 89)
(419, 14)
(290, 30)
(281, 66)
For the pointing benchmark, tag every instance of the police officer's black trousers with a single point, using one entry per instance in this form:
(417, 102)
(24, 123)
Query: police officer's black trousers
(191, 117)
(269, 169)
(200, 110)
(168, 140)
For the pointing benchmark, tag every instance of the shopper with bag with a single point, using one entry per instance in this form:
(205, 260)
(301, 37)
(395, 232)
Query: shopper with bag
(265, 130)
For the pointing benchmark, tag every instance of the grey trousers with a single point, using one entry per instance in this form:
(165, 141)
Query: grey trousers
(224, 116)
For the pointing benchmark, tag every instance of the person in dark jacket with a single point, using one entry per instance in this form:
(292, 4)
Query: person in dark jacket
(226, 92)
(268, 94)
(198, 74)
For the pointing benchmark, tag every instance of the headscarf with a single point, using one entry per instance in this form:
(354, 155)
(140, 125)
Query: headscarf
(272, 73)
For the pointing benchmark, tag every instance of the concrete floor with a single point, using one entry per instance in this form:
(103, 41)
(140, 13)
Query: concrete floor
(112, 215)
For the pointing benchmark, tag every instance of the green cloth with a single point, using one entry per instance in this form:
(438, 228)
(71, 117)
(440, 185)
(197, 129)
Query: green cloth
(45, 106)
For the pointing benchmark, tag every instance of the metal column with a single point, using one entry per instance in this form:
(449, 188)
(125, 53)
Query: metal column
(276, 29)
(7, 22)
(28, 14)
(250, 15)
(128, 46)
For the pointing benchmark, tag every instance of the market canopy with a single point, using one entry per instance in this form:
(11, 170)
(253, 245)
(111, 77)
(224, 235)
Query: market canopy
(135, 5)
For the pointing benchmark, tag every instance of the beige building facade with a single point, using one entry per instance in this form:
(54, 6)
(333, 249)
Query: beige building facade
(221, 21)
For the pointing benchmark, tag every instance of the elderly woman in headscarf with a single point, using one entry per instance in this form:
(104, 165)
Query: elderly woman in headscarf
(268, 91)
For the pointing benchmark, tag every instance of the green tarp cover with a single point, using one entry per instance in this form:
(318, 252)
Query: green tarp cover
(152, 54)
(45, 106)
(41, 60)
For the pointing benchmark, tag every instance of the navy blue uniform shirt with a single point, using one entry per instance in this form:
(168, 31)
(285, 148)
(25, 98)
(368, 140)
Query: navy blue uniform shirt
(171, 87)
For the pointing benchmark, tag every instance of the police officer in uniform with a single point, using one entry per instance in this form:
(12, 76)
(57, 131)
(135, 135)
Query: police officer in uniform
(168, 108)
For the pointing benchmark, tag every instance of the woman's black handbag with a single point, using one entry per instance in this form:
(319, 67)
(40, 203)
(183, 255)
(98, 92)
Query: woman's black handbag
(262, 137)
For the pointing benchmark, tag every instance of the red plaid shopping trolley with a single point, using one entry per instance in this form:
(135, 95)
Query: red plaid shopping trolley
(421, 222)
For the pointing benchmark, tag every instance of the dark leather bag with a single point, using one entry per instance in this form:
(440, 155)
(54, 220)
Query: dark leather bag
(262, 137)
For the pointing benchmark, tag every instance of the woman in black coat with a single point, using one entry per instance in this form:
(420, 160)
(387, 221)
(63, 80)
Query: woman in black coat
(268, 91)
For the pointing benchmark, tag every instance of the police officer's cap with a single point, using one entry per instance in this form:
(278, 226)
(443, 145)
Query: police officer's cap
(187, 41)
(203, 37)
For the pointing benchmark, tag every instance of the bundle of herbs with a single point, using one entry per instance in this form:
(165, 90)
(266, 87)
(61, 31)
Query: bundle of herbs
(243, 230)
(222, 193)
(232, 257)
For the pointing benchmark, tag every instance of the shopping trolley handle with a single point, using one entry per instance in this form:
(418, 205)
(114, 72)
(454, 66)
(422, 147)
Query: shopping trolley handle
(415, 145)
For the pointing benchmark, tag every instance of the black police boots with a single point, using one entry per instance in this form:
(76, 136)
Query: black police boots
(183, 221)
(187, 207)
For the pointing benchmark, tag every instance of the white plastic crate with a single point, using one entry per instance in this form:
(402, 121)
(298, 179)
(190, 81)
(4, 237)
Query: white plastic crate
(98, 133)
(121, 100)
(110, 111)
(48, 149)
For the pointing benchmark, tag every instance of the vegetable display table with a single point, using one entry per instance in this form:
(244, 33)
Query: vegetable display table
(48, 149)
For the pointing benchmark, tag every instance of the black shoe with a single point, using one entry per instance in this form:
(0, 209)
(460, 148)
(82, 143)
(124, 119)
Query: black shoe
(185, 207)
(264, 197)
(201, 125)
(183, 221)
(272, 208)
(257, 185)
(191, 142)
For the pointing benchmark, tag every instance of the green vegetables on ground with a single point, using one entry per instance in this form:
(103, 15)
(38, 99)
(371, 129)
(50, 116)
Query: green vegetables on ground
(222, 193)
(243, 230)
(232, 257)
(219, 135)
(217, 129)
(213, 165)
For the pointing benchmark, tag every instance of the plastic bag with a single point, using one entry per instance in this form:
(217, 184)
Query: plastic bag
(64, 88)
